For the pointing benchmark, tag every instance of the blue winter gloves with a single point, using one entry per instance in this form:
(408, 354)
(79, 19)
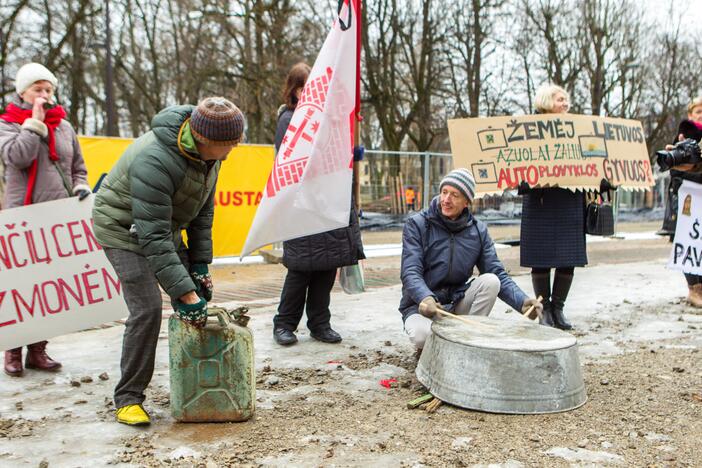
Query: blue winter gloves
(192, 314)
(203, 280)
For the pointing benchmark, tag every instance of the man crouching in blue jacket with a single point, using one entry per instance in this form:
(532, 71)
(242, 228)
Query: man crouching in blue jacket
(440, 248)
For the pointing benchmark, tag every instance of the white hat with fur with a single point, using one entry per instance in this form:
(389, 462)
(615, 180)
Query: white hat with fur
(30, 74)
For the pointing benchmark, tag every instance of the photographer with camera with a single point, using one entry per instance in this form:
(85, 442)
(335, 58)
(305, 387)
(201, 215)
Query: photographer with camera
(684, 162)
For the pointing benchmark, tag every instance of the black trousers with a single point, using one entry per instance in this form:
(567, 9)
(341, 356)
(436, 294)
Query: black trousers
(692, 279)
(311, 288)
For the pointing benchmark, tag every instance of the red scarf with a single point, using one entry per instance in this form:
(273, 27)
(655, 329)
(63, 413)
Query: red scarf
(15, 114)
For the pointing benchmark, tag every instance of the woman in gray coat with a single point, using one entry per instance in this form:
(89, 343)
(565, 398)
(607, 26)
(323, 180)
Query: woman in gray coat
(43, 162)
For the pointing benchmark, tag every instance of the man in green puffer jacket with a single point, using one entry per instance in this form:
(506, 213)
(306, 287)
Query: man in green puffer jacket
(163, 183)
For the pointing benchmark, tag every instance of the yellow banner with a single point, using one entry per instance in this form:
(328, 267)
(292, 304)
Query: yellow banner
(239, 189)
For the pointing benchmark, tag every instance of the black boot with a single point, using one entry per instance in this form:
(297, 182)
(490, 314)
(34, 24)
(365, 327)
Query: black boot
(326, 335)
(542, 287)
(283, 336)
(561, 286)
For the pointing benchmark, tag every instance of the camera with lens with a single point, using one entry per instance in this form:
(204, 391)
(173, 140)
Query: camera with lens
(684, 152)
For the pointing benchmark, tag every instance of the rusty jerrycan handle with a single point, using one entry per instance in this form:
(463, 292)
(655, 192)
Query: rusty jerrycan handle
(222, 316)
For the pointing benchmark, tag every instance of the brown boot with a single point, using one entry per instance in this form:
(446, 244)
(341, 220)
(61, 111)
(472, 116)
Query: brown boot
(38, 359)
(694, 298)
(13, 362)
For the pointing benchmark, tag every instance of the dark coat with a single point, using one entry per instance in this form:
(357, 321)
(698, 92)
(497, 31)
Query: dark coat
(284, 116)
(670, 217)
(553, 228)
(325, 251)
(438, 260)
(152, 193)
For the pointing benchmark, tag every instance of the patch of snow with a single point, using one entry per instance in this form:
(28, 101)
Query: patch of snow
(183, 452)
(583, 455)
(460, 443)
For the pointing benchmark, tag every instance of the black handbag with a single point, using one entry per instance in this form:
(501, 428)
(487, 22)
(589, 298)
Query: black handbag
(599, 217)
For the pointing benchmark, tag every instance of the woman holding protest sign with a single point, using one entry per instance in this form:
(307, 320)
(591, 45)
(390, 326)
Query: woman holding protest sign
(688, 128)
(312, 260)
(43, 162)
(553, 229)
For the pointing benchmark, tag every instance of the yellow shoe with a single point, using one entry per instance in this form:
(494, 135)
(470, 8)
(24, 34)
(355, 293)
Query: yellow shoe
(133, 415)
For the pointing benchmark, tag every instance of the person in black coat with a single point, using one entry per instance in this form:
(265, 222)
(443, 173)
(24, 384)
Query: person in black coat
(688, 128)
(553, 229)
(311, 260)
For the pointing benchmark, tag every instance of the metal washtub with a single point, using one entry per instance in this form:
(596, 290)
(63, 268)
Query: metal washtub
(502, 366)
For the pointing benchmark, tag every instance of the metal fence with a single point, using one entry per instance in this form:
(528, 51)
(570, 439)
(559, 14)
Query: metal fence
(386, 178)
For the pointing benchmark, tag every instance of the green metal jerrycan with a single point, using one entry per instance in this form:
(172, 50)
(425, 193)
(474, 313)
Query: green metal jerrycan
(212, 369)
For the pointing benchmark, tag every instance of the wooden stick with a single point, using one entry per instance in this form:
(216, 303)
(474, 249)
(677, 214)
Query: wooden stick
(463, 319)
(531, 309)
(412, 404)
(433, 406)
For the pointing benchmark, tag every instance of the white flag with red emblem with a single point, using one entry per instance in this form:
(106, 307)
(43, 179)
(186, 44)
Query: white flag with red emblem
(309, 188)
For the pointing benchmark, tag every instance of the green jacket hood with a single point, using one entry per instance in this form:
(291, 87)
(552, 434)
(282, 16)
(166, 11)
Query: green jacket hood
(167, 123)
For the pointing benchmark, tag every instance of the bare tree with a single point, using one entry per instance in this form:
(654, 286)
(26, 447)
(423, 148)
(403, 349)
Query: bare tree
(421, 33)
(555, 45)
(8, 20)
(669, 85)
(609, 44)
(471, 26)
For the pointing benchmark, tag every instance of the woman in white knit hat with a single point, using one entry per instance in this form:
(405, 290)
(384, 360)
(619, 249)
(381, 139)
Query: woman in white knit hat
(43, 162)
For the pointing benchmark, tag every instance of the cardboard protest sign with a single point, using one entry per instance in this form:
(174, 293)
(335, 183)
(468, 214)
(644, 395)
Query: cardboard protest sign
(54, 277)
(547, 150)
(686, 254)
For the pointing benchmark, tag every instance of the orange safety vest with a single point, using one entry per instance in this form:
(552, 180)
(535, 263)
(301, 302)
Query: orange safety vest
(409, 195)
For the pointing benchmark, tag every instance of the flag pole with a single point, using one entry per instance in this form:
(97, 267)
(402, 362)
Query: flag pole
(357, 112)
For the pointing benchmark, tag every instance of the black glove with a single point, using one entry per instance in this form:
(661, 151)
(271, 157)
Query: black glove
(83, 194)
(523, 188)
(605, 186)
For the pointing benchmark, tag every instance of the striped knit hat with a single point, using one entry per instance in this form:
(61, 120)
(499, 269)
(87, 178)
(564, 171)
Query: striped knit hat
(462, 180)
(217, 121)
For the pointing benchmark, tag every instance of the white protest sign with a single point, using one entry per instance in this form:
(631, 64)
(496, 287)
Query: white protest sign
(687, 245)
(54, 277)
(309, 188)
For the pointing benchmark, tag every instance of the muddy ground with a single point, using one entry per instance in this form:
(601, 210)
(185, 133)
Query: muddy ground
(642, 411)
(324, 405)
